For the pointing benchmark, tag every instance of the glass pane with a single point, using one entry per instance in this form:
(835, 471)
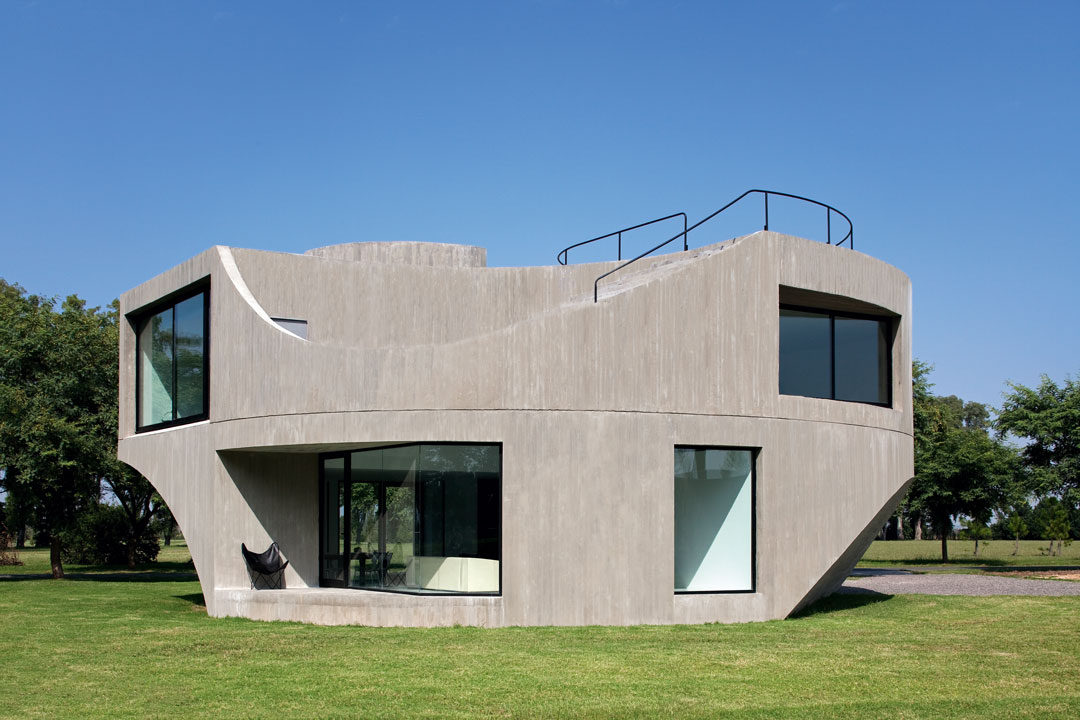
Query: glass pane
(400, 531)
(190, 356)
(333, 517)
(155, 350)
(460, 506)
(364, 539)
(805, 354)
(713, 520)
(426, 518)
(862, 360)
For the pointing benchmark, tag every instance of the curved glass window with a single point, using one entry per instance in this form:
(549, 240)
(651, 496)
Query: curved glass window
(423, 518)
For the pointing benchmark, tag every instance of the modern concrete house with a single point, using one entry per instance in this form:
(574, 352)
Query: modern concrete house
(717, 436)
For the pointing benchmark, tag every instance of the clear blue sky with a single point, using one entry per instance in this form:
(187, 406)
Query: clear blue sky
(134, 135)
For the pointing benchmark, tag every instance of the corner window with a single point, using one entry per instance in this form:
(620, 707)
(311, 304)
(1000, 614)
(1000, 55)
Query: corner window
(420, 518)
(835, 355)
(171, 350)
(714, 519)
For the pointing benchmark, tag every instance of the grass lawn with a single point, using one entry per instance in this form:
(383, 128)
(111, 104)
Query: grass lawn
(995, 553)
(144, 647)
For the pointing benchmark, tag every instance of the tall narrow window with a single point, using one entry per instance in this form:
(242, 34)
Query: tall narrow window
(171, 344)
(835, 356)
(714, 519)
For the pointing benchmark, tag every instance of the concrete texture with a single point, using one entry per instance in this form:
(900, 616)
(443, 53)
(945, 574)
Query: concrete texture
(588, 401)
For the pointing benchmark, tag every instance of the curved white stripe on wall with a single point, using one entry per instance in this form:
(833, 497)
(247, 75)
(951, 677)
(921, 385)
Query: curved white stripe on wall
(231, 269)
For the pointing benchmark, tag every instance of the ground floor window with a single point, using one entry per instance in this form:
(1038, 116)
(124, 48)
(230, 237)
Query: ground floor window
(420, 518)
(714, 519)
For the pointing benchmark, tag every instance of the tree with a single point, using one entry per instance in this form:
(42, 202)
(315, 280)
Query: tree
(977, 531)
(57, 406)
(140, 503)
(960, 470)
(1048, 418)
(164, 523)
(1051, 520)
(1016, 527)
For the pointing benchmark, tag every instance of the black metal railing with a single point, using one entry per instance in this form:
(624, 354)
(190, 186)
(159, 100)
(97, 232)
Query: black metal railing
(562, 256)
(849, 238)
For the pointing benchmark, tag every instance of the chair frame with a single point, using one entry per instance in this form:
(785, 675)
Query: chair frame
(267, 567)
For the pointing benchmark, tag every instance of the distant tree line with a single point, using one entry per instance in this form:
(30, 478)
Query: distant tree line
(58, 428)
(969, 469)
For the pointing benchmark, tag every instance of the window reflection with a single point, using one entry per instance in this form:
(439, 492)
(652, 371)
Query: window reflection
(835, 356)
(170, 350)
(421, 518)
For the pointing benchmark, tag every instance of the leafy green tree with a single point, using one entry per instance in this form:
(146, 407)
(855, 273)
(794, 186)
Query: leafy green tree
(1048, 419)
(164, 523)
(140, 504)
(977, 531)
(57, 406)
(924, 420)
(960, 470)
(1017, 528)
(1051, 519)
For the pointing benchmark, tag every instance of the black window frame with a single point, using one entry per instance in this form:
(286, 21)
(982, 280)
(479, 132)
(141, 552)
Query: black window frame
(136, 320)
(890, 333)
(346, 455)
(754, 453)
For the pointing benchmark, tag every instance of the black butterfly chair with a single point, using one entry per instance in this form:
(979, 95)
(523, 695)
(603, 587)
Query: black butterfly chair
(267, 567)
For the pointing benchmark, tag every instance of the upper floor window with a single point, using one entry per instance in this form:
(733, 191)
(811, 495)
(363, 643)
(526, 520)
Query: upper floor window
(172, 361)
(835, 355)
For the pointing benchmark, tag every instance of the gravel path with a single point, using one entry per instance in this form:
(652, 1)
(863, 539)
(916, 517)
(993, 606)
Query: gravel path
(902, 582)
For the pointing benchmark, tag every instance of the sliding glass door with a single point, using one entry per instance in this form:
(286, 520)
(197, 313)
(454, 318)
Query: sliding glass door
(413, 518)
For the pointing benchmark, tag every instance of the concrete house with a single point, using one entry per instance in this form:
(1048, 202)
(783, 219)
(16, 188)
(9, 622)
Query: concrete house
(716, 436)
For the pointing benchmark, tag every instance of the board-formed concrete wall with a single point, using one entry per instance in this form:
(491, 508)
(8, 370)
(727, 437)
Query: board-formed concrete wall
(423, 343)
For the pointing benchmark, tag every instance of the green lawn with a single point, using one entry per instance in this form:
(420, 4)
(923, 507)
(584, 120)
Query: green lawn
(142, 647)
(112, 644)
(995, 553)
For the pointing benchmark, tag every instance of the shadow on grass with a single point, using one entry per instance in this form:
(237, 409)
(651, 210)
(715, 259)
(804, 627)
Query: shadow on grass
(842, 601)
(195, 599)
(136, 576)
(158, 572)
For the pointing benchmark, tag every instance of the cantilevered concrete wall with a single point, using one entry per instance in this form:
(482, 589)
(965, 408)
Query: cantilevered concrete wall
(420, 343)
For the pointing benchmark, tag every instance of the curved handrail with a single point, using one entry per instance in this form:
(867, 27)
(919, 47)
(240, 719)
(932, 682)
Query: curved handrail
(562, 256)
(829, 210)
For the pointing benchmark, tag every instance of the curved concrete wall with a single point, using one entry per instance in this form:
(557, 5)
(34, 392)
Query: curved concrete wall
(588, 401)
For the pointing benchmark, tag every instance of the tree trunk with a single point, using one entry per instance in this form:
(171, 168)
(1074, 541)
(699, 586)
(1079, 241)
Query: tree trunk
(918, 527)
(944, 547)
(1016, 548)
(131, 554)
(976, 553)
(1051, 550)
(54, 557)
(899, 526)
(20, 536)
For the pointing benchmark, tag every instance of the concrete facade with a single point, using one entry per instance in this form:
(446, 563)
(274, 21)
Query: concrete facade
(417, 342)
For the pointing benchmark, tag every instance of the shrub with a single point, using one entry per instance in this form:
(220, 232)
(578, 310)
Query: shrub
(102, 536)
